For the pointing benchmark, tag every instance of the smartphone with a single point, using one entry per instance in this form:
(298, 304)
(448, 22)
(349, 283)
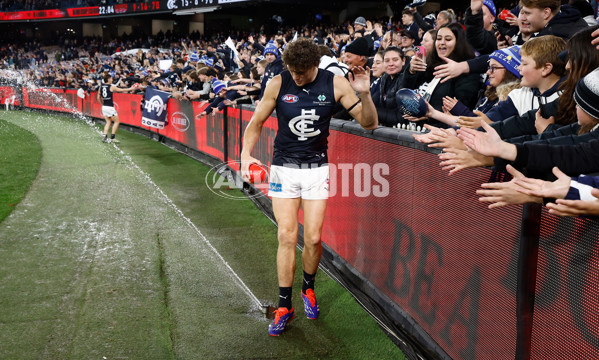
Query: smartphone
(420, 51)
(500, 30)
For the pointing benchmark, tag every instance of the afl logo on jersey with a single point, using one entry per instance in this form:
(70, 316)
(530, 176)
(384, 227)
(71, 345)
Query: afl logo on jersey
(290, 99)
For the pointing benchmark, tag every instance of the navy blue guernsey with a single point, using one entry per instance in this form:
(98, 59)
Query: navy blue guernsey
(304, 114)
(106, 95)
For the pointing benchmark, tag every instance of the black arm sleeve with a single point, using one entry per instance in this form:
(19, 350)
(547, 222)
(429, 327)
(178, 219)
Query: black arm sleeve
(572, 160)
(481, 40)
(479, 64)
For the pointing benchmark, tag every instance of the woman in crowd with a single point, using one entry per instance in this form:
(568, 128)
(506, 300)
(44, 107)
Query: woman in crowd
(390, 83)
(378, 69)
(450, 43)
(428, 41)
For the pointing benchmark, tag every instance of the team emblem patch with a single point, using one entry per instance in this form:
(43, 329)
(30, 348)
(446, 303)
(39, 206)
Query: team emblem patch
(290, 99)
(322, 98)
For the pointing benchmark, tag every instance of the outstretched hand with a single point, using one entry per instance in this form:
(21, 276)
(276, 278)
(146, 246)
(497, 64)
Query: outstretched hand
(359, 78)
(447, 138)
(455, 160)
(576, 207)
(450, 70)
(473, 122)
(449, 103)
(505, 193)
(557, 189)
(487, 143)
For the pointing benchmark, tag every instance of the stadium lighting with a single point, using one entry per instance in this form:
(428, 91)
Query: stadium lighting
(196, 11)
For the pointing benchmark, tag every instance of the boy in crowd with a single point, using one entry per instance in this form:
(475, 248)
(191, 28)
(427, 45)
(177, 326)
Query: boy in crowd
(542, 71)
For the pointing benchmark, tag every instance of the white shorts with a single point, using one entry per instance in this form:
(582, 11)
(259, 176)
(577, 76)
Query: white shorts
(291, 182)
(108, 111)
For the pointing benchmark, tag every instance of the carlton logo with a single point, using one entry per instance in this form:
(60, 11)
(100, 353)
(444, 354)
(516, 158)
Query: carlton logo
(290, 99)
(180, 121)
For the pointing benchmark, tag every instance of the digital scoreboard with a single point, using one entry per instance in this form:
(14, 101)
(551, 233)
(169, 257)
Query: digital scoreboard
(113, 10)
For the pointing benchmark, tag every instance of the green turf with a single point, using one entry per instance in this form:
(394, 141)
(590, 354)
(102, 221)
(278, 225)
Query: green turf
(95, 262)
(20, 157)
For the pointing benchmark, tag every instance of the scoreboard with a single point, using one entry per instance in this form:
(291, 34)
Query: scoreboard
(135, 8)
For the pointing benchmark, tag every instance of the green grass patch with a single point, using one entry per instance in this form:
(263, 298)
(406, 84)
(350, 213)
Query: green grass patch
(20, 159)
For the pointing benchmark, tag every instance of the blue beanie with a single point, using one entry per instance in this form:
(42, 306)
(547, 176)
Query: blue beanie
(271, 49)
(508, 57)
(209, 62)
(491, 6)
(217, 86)
(194, 57)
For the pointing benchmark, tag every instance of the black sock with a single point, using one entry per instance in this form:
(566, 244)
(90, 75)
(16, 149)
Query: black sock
(285, 297)
(308, 282)
(112, 136)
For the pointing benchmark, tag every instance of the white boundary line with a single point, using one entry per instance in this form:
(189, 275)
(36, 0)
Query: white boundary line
(234, 275)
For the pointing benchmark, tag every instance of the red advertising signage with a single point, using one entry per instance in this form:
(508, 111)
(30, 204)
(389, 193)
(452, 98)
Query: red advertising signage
(32, 15)
(9, 94)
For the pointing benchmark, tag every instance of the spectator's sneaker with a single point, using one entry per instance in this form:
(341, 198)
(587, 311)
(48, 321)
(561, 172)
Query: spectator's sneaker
(282, 317)
(115, 141)
(310, 306)
(106, 139)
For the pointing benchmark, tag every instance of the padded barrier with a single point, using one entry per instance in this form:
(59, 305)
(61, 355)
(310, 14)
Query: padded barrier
(444, 276)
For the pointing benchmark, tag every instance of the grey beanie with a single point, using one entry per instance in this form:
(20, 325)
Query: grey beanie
(360, 21)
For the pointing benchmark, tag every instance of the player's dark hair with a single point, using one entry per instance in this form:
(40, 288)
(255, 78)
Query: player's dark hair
(301, 55)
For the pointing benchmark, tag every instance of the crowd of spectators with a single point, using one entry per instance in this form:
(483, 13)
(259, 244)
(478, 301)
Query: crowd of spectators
(527, 75)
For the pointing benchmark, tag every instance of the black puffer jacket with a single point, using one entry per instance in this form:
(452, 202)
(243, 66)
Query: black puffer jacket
(386, 106)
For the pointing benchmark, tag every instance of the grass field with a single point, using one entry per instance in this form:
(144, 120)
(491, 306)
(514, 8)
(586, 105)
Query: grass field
(113, 254)
(20, 157)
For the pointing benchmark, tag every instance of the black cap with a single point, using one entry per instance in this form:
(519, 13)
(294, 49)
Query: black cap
(358, 47)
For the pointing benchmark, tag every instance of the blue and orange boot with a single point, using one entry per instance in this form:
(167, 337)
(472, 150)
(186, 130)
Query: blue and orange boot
(282, 317)
(310, 306)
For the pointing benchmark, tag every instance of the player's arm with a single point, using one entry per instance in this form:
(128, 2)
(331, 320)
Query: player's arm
(117, 89)
(254, 128)
(362, 109)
